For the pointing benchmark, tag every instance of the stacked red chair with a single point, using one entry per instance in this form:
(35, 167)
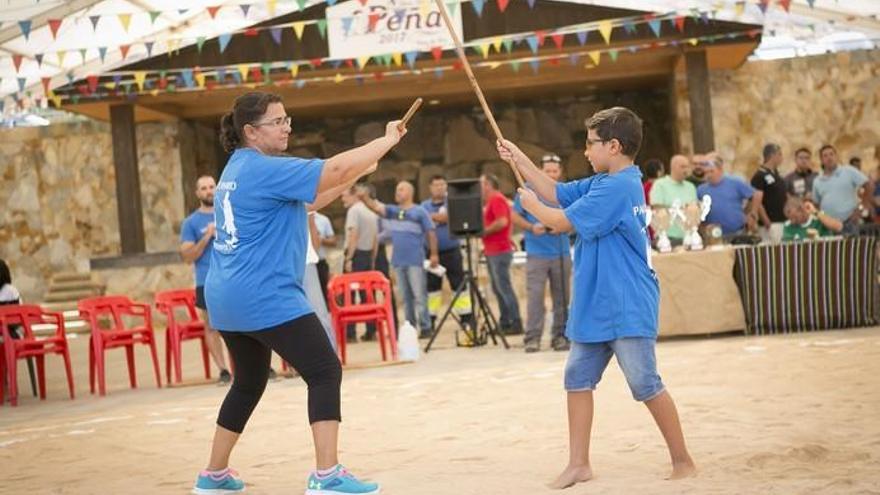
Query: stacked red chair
(105, 315)
(180, 330)
(26, 316)
(345, 310)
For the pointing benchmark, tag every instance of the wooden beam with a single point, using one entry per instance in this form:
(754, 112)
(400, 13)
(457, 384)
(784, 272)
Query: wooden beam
(700, 99)
(128, 189)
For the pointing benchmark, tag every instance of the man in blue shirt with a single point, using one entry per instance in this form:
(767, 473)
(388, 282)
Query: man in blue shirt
(449, 254)
(409, 226)
(842, 191)
(196, 235)
(548, 258)
(731, 197)
(616, 295)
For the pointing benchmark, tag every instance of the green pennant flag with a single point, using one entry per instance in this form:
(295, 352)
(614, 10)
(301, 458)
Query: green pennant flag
(508, 45)
(82, 53)
(154, 14)
(613, 55)
(515, 65)
(301, 4)
(386, 59)
(267, 68)
(322, 27)
(74, 98)
(200, 42)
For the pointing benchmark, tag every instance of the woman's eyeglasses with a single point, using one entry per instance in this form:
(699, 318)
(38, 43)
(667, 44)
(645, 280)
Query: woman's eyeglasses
(280, 121)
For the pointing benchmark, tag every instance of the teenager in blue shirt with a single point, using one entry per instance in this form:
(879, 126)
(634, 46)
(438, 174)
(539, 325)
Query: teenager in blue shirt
(254, 289)
(615, 295)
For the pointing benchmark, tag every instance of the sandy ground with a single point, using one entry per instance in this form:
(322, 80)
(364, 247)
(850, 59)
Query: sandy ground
(785, 414)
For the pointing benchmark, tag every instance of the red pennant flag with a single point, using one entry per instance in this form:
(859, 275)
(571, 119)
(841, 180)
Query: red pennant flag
(374, 20)
(542, 36)
(558, 39)
(54, 24)
(123, 49)
(251, 32)
(437, 52)
(502, 5)
(212, 10)
(457, 65)
(256, 74)
(163, 83)
(553, 61)
(786, 4)
(679, 23)
(93, 83)
(83, 89)
(16, 61)
(210, 84)
(649, 17)
(349, 63)
(46, 81)
(363, 2)
(315, 62)
(378, 76)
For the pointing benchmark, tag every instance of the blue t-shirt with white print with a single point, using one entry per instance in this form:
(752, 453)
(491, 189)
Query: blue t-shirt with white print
(192, 230)
(615, 292)
(257, 267)
(409, 234)
(547, 245)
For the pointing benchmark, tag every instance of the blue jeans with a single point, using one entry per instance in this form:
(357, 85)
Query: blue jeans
(635, 355)
(413, 286)
(508, 306)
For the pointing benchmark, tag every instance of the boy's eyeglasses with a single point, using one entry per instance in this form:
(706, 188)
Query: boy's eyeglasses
(275, 122)
(591, 142)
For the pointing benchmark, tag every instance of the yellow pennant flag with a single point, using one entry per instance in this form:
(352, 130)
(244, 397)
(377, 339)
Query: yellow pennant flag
(251, 85)
(740, 8)
(270, 6)
(496, 44)
(61, 56)
(139, 78)
(298, 28)
(605, 29)
(243, 69)
(56, 99)
(494, 65)
(294, 70)
(484, 49)
(125, 20)
(363, 61)
(154, 92)
(424, 8)
(110, 85)
(338, 79)
(594, 56)
(693, 41)
(397, 58)
(200, 80)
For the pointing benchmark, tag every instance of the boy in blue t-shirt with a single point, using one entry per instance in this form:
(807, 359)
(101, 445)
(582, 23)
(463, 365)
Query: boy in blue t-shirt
(615, 293)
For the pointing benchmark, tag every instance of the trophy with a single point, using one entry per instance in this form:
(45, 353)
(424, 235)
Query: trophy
(695, 214)
(660, 222)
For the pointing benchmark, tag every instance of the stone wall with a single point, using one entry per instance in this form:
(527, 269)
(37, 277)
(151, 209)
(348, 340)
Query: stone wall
(59, 198)
(808, 101)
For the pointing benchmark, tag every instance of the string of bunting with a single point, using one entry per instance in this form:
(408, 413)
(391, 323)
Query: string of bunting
(253, 76)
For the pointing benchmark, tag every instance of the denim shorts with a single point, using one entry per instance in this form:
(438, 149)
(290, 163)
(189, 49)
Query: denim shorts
(636, 358)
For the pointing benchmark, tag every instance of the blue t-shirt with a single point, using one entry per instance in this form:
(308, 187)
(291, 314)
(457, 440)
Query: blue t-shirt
(837, 193)
(256, 276)
(409, 234)
(727, 203)
(445, 240)
(542, 246)
(192, 230)
(615, 292)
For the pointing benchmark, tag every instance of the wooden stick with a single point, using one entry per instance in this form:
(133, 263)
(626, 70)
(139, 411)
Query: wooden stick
(475, 85)
(409, 114)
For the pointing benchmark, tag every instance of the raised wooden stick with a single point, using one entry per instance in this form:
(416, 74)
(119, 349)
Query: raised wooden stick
(409, 114)
(474, 84)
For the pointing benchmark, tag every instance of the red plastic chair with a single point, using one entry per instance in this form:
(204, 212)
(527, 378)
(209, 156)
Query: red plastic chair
(30, 346)
(181, 330)
(344, 310)
(97, 310)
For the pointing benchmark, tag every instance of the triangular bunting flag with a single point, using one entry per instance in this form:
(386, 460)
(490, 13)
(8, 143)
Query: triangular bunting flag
(451, 7)
(94, 19)
(515, 65)
(187, 75)
(275, 32)
(331, 3)
(629, 27)
(438, 72)
(56, 99)
(221, 75)
(25, 27)
(22, 83)
(294, 70)
(315, 63)
(123, 49)
(484, 49)
(558, 40)
(679, 23)
(411, 58)
(573, 58)
(372, 21)
(397, 58)
(139, 78)
(246, 7)
(437, 52)
(502, 5)
(508, 45)
(200, 42)
(739, 8)
(300, 83)
(763, 4)
(54, 25)
(223, 40)
(613, 55)
(270, 7)
(363, 61)
(581, 37)
(386, 59)
(478, 6)
(531, 3)
(125, 20)
(496, 44)
(60, 56)
(786, 5)
(811, 2)
(16, 61)
(338, 79)
(655, 25)
(298, 28)
(541, 36)
(212, 10)
(92, 80)
(70, 77)
(605, 29)
(595, 56)
(243, 70)
(102, 53)
(82, 54)
(39, 58)
(693, 41)
(154, 14)
(322, 27)
(200, 79)
(533, 43)
(148, 45)
(534, 64)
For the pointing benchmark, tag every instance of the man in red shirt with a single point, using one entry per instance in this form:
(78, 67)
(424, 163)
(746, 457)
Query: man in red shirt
(498, 249)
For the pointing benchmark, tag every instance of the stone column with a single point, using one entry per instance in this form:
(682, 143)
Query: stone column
(128, 188)
(700, 98)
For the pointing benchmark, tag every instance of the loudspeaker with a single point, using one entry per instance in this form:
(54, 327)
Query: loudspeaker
(465, 210)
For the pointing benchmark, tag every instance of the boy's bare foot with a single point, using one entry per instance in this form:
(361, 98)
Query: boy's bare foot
(681, 470)
(571, 476)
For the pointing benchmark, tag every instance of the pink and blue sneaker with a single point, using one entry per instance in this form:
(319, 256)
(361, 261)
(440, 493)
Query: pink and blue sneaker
(218, 483)
(339, 482)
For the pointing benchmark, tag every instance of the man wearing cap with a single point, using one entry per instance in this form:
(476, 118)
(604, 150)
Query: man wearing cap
(731, 198)
(548, 257)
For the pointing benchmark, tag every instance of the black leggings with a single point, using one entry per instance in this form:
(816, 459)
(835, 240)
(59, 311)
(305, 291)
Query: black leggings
(304, 345)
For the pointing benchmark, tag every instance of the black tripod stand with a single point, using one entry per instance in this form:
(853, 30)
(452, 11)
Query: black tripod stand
(485, 325)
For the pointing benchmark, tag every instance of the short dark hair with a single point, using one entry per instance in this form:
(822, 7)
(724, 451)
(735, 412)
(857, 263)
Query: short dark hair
(770, 149)
(652, 168)
(5, 275)
(204, 176)
(803, 149)
(618, 123)
(826, 147)
(437, 177)
(247, 109)
(493, 179)
(854, 160)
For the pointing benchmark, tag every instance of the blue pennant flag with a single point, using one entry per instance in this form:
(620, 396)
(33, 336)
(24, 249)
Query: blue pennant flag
(276, 35)
(655, 25)
(346, 24)
(478, 6)
(102, 52)
(25, 27)
(582, 37)
(224, 39)
(187, 75)
(411, 59)
(533, 43)
(534, 64)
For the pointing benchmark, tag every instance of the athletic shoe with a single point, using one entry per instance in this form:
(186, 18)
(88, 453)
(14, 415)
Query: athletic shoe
(561, 344)
(225, 377)
(339, 482)
(532, 346)
(210, 484)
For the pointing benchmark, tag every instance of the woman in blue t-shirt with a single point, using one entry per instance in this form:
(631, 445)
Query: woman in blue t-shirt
(254, 288)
